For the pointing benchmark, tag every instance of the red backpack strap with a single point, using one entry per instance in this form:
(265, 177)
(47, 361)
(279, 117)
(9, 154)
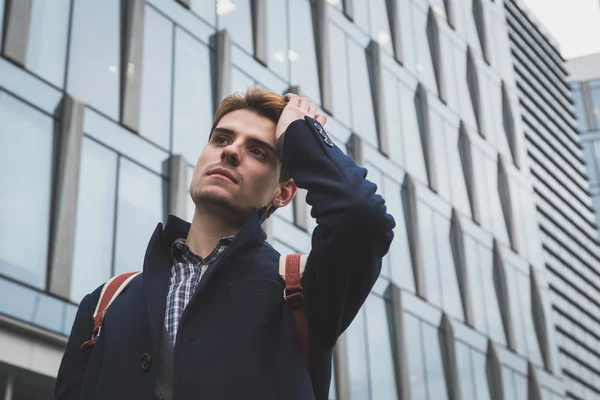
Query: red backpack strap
(291, 267)
(110, 291)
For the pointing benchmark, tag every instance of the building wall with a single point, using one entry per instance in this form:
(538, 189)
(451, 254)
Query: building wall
(563, 201)
(104, 107)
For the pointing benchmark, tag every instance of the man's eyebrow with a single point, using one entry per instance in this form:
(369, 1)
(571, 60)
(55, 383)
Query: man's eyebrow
(259, 142)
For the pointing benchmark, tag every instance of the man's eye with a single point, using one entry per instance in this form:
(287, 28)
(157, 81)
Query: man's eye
(258, 152)
(220, 140)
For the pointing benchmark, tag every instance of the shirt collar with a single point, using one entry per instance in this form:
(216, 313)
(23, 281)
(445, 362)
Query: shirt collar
(180, 251)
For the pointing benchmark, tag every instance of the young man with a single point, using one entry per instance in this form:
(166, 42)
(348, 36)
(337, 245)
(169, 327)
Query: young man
(206, 319)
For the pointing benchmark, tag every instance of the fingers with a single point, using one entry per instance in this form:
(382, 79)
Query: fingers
(304, 104)
(312, 110)
(322, 118)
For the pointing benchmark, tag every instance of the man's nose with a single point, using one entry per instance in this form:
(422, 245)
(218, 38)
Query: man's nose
(232, 155)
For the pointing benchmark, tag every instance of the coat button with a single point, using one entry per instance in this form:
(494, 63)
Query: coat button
(145, 361)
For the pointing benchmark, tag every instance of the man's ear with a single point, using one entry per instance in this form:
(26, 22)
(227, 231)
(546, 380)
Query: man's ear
(287, 191)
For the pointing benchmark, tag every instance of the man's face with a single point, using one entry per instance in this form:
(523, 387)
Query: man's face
(239, 167)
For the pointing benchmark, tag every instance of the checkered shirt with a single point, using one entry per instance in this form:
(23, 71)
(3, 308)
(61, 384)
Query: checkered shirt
(186, 272)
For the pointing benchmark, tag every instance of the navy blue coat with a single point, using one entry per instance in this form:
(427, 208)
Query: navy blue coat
(236, 338)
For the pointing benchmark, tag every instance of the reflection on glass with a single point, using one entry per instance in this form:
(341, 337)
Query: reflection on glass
(205, 8)
(416, 362)
(157, 61)
(361, 14)
(363, 121)
(47, 42)
(235, 17)
(339, 74)
(508, 384)
(429, 252)
(139, 209)
(383, 382)
(393, 121)
(595, 98)
(302, 52)
(516, 307)
(240, 81)
(520, 386)
(492, 187)
(92, 258)
(475, 286)
(492, 307)
(357, 358)
(440, 151)
(192, 103)
(26, 195)
(277, 38)
(580, 110)
(424, 67)
(94, 57)
(459, 188)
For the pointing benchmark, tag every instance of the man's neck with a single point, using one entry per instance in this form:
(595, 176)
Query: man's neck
(208, 227)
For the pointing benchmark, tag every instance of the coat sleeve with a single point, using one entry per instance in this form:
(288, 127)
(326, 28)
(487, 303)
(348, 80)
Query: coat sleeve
(353, 233)
(73, 365)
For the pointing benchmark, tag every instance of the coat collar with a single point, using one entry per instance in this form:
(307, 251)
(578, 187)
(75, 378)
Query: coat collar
(158, 262)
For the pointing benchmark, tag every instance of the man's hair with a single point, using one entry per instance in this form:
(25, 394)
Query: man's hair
(259, 101)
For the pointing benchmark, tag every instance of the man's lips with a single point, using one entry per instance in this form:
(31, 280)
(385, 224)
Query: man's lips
(224, 172)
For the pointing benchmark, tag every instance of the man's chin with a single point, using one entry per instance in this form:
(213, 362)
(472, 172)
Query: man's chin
(214, 200)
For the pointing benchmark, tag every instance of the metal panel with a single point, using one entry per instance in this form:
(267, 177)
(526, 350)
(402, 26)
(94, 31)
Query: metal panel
(409, 197)
(349, 9)
(460, 262)
(323, 54)
(478, 15)
(450, 13)
(131, 63)
(66, 182)
(433, 37)
(539, 318)
(447, 344)
(473, 84)
(375, 78)
(178, 187)
(494, 372)
(534, 391)
(396, 31)
(503, 299)
(422, 107)
(466, 160)
(395, 311)
(16, 30)
(509, 125)
(222, 65)
(505, 201)
(259, 30)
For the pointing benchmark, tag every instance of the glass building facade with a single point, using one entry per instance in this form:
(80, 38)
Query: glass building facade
(430, 96)
(571, 251)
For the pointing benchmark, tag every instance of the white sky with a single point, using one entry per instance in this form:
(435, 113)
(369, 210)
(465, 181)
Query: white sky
(574, 24)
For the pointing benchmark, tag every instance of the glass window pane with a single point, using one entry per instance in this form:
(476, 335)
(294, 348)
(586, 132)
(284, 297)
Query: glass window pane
(401, 264)
(492, 307)
(47, 43)
(357, 358)
(521, 387)
(392, 116)
(491, 169)
(363, 122)
(277, 38)
(465, 371)
(424, 66)
(339, 74)
(508, 383)
(157, 61)
(1, 19)
(516, 308)
(235, 16)
(206, 9)
(26, 195)
(580, 110)
(415, 163)
(92, 259)
(94, 59)
(380, 25)
(429, 252)
(381, 364)
(457, 177)
(302, 54)
(332, 387)
(416, 362)
(436, 380)
(361, 14)
(139, 209)
(240, 81)
(475, 283)
(440, 150)
(451, 75)
(595, 99)
(482, 388)
(466, 106)
(451, 294)
(532, 342)
(192, 103)
(191, 207)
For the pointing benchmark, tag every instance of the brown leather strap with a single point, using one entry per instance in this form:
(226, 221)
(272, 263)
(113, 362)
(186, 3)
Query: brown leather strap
(294, 298)
(111, 289)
